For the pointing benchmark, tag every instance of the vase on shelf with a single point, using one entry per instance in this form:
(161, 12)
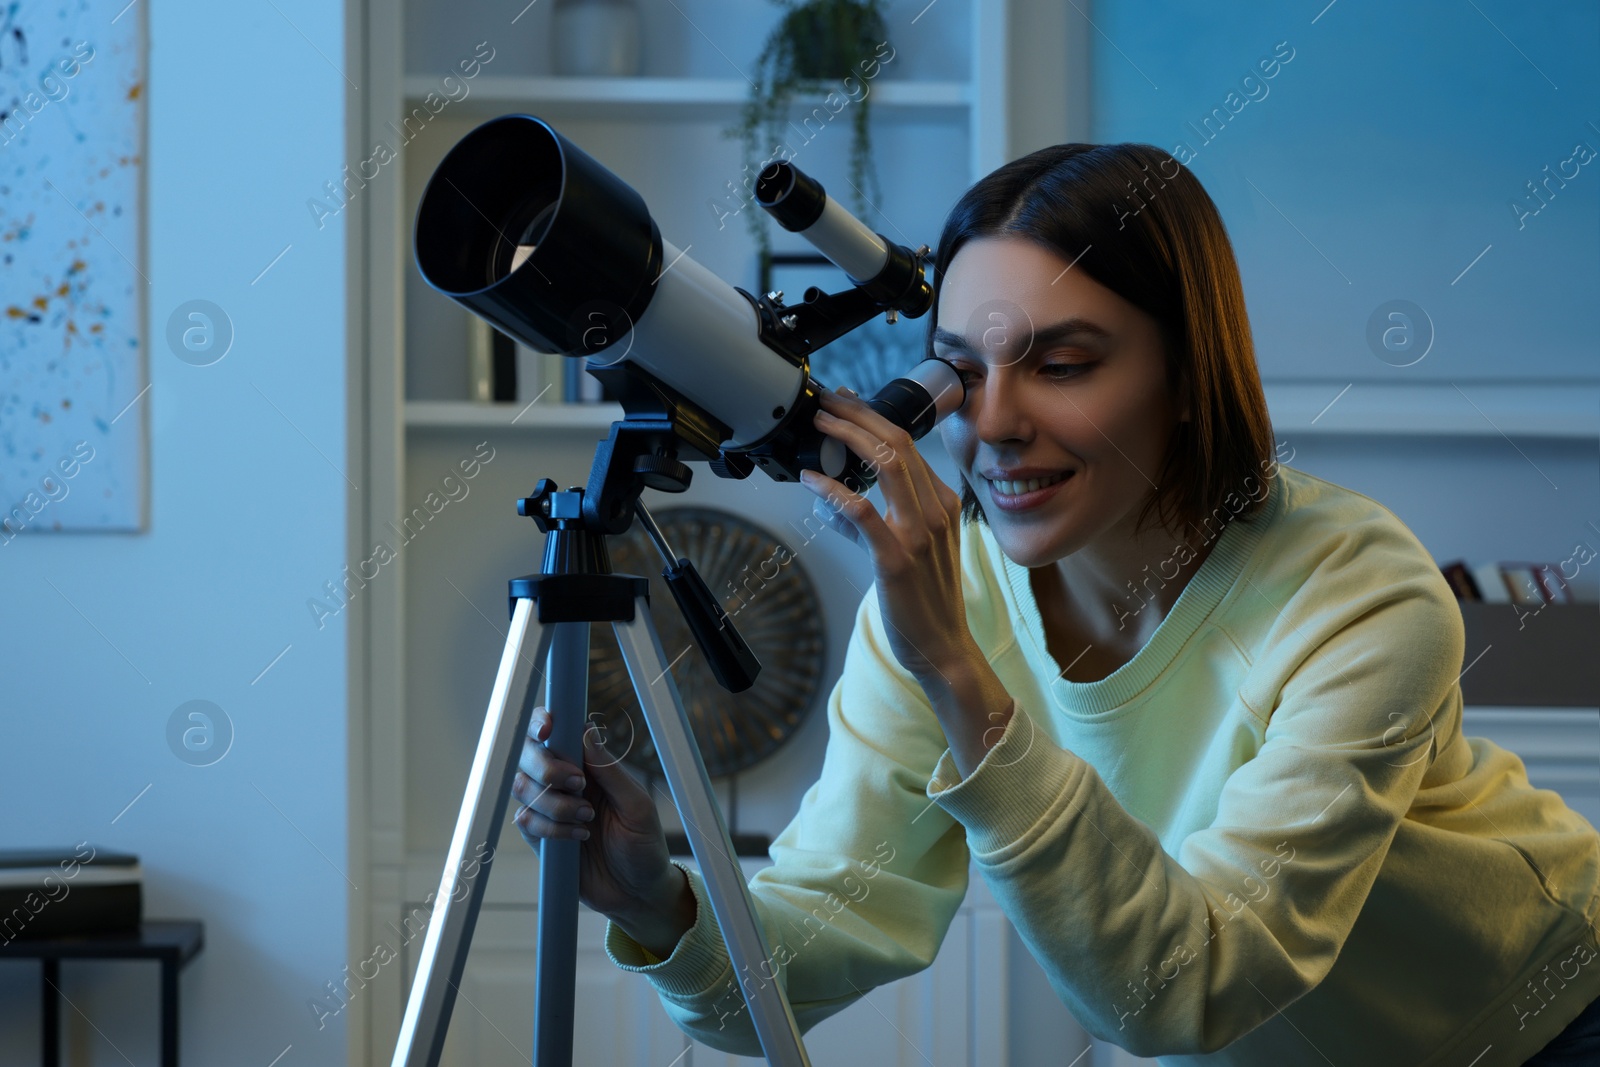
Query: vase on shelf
(596, 38)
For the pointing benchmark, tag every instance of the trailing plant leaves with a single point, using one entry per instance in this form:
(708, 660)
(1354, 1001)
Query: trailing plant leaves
(814, 47)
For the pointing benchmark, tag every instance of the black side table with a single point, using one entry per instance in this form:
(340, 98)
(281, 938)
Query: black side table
(172, 943)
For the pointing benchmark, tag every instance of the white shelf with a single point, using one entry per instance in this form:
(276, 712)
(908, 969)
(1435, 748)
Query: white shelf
(1433, 409)
(1476, 410)
(665, 97)
(467, 415)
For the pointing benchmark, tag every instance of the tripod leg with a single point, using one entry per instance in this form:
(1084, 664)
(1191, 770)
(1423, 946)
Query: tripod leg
(466, 871)
(554, 992)
(708, 836)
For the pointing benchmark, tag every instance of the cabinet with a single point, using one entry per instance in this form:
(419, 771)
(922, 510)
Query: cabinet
(434, 625)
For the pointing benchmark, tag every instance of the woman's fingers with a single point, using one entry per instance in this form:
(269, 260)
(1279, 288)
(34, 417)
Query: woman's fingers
(554, 803)
(881, 444)
(920, 507)
(542, 765)
(832, 519)
(897, 459)
(549, 790)
(533, 826)
(856, 511)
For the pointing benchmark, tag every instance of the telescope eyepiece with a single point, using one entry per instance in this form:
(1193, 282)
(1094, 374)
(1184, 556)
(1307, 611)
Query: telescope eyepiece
(888, 272)
(790, 196)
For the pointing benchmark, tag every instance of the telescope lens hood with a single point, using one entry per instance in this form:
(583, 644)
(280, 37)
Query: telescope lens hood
(529, 232)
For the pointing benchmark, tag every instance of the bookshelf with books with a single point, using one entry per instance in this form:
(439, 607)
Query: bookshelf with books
(940, 93)
(444, 396)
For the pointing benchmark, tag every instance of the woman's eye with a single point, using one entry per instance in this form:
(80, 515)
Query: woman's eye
(1058, 371)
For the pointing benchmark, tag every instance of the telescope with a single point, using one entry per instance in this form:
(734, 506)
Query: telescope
(526, 230)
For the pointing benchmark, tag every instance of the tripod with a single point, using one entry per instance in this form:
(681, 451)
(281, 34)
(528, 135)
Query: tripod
(551, 613)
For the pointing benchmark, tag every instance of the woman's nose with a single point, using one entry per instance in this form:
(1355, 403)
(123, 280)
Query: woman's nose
(997, 411)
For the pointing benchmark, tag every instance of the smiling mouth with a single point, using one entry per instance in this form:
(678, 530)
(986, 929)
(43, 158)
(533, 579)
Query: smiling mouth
(1026, 485)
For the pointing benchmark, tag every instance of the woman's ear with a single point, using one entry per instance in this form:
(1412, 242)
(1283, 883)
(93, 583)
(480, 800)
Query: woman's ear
(1180, 397)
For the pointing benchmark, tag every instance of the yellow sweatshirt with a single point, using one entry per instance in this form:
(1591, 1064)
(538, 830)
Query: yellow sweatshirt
(1264, 840)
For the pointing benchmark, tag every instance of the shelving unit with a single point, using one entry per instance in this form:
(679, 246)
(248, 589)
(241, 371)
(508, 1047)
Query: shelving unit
(435, 629)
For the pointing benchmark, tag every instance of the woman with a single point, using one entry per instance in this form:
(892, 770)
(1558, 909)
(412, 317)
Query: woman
(1194, 715)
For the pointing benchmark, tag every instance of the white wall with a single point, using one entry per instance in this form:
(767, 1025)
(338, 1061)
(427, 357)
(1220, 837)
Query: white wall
(246, 121)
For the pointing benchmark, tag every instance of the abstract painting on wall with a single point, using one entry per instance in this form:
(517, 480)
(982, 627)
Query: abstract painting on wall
(72, 291)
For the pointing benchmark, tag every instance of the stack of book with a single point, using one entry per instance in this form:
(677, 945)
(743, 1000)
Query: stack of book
(61, 892)
(1512, 582)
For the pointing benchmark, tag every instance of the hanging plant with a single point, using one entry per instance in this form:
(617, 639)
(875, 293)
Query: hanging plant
(814, 48)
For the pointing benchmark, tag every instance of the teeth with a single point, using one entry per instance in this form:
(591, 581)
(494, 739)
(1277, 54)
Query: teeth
(1017, 488)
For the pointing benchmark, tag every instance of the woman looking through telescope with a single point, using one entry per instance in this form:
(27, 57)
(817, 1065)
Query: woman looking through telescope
(1193, 714)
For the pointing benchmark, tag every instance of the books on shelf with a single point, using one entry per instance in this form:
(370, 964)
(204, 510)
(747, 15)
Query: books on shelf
(1519, 582)
(500, 370)
(491, 364)
(539, 376)
(579, 386)
(1461, 580)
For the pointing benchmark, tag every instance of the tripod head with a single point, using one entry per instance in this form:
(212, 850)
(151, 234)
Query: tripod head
(639, 454)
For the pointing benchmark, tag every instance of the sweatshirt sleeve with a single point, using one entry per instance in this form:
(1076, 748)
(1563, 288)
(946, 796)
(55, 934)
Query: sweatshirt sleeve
(865, 879)
(1183, 954)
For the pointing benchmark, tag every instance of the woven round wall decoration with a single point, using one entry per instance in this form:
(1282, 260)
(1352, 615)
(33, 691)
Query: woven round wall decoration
(766, 592)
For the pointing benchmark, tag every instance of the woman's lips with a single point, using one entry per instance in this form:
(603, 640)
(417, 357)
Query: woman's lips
(1022, 497)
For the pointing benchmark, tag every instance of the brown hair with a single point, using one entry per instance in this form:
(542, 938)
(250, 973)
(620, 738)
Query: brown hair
(1140, 224)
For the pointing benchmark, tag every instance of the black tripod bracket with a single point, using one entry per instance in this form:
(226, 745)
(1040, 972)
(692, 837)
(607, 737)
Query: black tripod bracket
(580, 597)
(576, 583)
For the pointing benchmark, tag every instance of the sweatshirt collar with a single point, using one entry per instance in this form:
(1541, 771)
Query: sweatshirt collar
(1216, 575)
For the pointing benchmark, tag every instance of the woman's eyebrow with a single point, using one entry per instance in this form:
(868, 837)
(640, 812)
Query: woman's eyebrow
(1043, 337)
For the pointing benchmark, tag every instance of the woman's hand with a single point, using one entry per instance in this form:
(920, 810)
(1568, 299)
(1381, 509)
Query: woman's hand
(915, 544)
(624, 870)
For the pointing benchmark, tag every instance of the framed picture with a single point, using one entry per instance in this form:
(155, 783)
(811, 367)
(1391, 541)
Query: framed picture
(866, 358)
(72, 293)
